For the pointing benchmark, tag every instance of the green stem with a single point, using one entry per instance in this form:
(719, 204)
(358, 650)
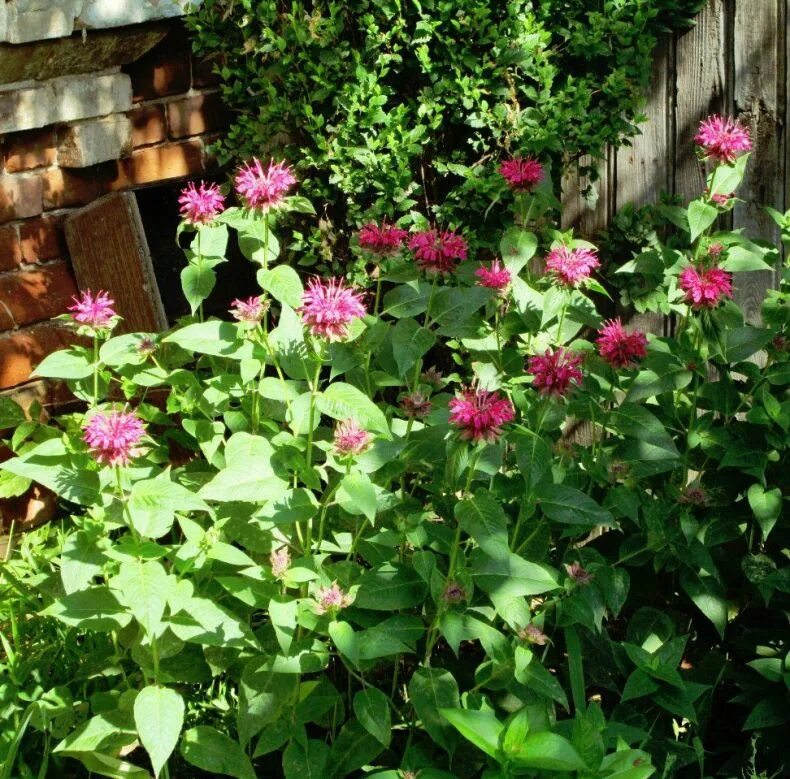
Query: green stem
(200, 265)
(95, 400)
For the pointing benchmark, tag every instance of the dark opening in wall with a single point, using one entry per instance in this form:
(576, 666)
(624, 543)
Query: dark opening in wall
(235, 278)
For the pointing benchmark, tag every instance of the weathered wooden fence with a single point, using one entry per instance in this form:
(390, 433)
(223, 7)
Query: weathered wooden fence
(733, 62)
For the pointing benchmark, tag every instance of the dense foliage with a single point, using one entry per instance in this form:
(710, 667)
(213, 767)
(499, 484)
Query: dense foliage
(397, 106)
(358, 532)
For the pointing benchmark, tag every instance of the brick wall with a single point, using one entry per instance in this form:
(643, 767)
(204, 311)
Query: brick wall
(67, 140)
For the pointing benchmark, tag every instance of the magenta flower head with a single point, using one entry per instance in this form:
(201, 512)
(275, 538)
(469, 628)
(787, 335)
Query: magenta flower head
(705, 288)
(618, 347)
(522, 173)
(329, 307)
(570, 267)
(479, 414)
(497, 277)
(95, 311)
(200, 205)
(554, 371)
(250, 310)
(350, 439)
(113, 437)
(438, 252)
(331, 599)
(723, 139)
(264, 187)
(381, 240)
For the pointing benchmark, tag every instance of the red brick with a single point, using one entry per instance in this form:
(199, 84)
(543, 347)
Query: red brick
(77, 187)
(28, 150)
(10, 248)
(43, 239)
(160, 73)
(196, 115)
(203, 74)
(34, 295)
(20, 196)
(148, 125)
(159, 163)
(22, 350)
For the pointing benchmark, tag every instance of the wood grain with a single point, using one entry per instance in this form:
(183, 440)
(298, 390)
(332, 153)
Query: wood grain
(109, 251)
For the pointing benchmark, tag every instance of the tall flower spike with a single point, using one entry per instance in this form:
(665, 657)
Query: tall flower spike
(94, 310)
(555, 371)
(723, 139)
(479, 414)
(571, 267)
(264, 187)
(618, 347)
(202, 204)
(522, 173)
(705, 288)
(497, 277)
(113, 437)
(329, 307)
(438, 252)
(382, 240)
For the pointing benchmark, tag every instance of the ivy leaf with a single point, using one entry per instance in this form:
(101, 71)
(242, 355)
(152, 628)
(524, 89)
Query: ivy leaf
(197, 283)
(159, 716)
(707, 595)
(766, 506)
(701, 216)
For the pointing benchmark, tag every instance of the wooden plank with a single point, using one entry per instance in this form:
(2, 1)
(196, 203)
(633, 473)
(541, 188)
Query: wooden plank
(760, 101)
(586, 203)
(109, 251)
(702, 87)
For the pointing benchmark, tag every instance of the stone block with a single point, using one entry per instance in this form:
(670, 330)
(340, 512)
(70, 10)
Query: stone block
(116, 13)
(29, 150)
(94, 141)
(21, 351)
(10, 248)
(28, 296)
(35, 20)
(21, 196)
(65, 99)
(64, 187)
(197, 115)
(160, 163)
(148, 125)
(43, 239)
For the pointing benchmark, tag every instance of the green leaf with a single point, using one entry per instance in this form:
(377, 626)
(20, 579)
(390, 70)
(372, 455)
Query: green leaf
(11, 414)
(741, 343)
(410, 341)
(533, 456)
(353, 748)
(214, 752)
(482, 728)
(372, 709)
(306, 760)
(701, 216)
(389, 588)
(211, 240)
(263, 695)
(64, 364)
(197, 283)
(143, 588)
(407, 299)
(768, 713)
(707, 595)
(343, 401)
(511, 576)
(356, 495)
(220, 339)
(517, 247)
(346, 640)
(530, 672)
(725, 179)
(571, 506)
(485, 520)
(283, 284)
(159, 716)
(548, 752)
(95, 608)
(154, 502)
(432, 690)
(453, 307)
(766, 506)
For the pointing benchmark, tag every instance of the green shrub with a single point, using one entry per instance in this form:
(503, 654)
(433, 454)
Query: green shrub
(396, 105)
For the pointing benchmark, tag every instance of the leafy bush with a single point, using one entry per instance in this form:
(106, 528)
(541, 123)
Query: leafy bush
(389, 107)
(359, 532)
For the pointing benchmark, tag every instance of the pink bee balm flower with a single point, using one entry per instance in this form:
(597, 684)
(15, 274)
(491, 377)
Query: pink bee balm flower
(723, 139)
(381, 239)
(571, 266)
(94, 310)
(620, 348)
(715, 250)
(350, 439)
(532, 634)
(329, 307)
(438, 252)
(720, 200)
(578, 574)
(554, 371)
(280, 560)
(113, 436)
(250, 310)
(496, 277)
(200, 205)
(416, 405)
(522, 173)
(264, 188)
(480, 414)
(705, 288)
(332, 599)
